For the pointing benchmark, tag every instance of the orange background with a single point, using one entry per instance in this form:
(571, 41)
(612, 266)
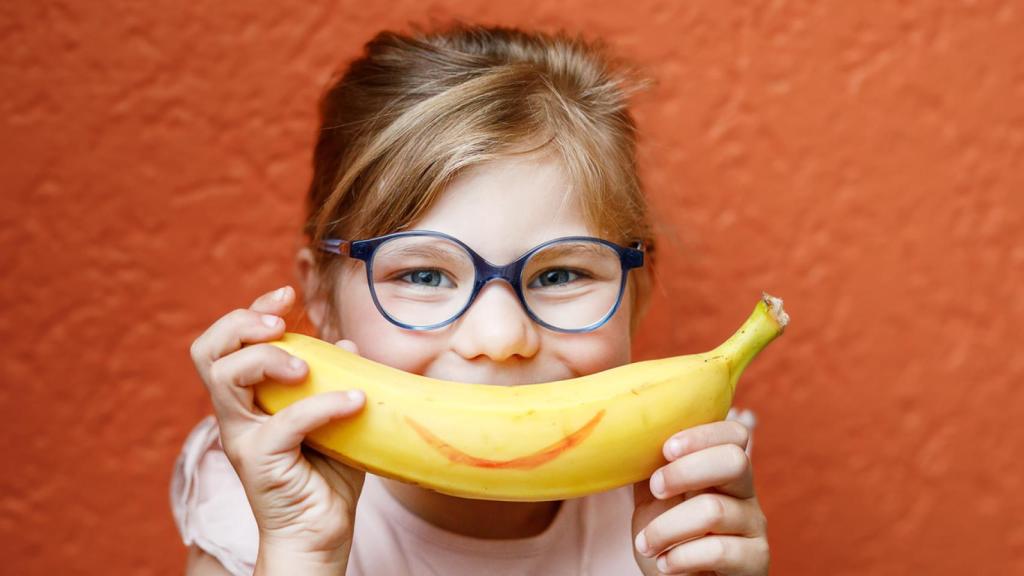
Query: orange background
(861, 160)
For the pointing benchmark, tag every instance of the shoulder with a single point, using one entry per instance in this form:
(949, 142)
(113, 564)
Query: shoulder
(208, 502)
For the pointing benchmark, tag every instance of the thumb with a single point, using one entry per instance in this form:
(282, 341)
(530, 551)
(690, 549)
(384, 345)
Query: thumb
(287, 428)
(642, 494)
(347, 345)
(645, 506)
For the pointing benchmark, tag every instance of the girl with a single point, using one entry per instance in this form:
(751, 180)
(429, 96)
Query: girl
(440, 151)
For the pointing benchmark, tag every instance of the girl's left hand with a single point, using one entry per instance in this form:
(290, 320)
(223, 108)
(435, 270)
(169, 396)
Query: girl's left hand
(698, 513)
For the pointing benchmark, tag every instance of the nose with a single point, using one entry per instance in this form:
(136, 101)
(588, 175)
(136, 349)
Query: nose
(495, 326)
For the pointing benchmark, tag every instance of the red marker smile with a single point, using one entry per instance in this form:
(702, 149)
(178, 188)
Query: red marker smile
(524, 462)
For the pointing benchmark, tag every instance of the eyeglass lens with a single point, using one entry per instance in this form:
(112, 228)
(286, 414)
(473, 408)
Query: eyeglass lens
(426, 280)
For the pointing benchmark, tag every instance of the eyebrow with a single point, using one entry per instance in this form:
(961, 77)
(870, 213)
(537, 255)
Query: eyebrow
(449, 255)
(569, 249)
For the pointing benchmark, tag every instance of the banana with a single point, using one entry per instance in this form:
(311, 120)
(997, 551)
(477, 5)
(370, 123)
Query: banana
(533, 442)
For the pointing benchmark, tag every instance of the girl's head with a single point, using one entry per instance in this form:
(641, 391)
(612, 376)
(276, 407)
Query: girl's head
(503, 139)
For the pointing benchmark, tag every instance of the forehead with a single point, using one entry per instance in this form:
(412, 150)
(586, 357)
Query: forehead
(505, 207)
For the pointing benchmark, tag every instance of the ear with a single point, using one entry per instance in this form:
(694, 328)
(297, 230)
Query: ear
(309, 282)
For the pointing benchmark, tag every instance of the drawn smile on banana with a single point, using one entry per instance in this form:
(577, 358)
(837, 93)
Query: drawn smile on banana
(526, 462)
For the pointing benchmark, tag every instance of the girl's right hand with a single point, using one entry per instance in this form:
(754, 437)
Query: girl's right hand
(304, 503)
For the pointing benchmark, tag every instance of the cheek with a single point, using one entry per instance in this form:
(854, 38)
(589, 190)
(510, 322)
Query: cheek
(376, 337)
(607, 347)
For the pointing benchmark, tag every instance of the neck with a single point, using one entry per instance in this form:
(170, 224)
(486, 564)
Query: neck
(486, 519)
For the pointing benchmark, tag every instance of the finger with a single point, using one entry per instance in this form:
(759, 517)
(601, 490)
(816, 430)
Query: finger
(646, 507)
(725, 467)
(719, 554)
(347, 345)
(287, 428)
(230, 332)
(217, 340)
(705, 436)
(232, 377)
(277, 302)
(337, 474)
(701, 515)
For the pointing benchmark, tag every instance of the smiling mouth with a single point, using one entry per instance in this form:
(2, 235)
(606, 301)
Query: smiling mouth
(526, 462)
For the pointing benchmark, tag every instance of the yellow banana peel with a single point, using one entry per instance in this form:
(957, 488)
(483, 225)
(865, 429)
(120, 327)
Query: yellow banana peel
(533, 442)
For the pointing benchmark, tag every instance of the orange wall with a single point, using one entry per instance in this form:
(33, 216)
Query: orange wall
(861, 160)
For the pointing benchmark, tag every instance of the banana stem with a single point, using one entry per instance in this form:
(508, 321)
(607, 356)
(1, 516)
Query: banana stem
(766, 322)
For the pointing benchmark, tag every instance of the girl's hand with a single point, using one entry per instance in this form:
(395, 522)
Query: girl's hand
(304, 504)
(703, 517)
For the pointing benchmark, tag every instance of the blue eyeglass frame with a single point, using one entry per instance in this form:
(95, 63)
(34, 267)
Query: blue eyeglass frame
(629, 258)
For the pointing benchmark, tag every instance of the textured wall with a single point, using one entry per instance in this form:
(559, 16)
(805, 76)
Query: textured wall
(861, 160)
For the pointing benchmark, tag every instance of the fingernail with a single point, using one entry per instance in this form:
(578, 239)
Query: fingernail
(355, 395)
(675, 448)
(641, 544)
(295, 363)
(270, 320)
(657, 483)
(280, 292)
(662, 564)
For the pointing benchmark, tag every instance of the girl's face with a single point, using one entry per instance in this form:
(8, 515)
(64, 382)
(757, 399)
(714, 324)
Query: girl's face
(501, 210)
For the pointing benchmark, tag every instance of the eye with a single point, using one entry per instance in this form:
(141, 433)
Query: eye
(554, 277)
(426, 277)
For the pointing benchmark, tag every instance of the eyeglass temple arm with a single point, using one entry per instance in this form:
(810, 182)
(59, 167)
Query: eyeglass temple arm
(336, 246)
(634, 255)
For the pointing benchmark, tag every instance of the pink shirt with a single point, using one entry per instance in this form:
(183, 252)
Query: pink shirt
(590, 535)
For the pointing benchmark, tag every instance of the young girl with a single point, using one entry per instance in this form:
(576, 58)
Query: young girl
(444, 150)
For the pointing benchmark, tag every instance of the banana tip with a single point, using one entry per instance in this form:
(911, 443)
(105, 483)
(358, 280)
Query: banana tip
(775, 309)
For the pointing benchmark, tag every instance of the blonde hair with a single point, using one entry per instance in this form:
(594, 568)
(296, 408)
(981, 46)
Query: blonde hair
(415, 109)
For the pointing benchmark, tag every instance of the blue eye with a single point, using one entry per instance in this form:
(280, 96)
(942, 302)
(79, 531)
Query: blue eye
(554, 277)
(428, 278)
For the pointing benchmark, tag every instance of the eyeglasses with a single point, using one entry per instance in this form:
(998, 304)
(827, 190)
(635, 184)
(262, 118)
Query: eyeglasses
(422, 279)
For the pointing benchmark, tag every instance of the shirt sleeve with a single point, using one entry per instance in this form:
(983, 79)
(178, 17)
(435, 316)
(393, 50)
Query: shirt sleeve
(208, 502)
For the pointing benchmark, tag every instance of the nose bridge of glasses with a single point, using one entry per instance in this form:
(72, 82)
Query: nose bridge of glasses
(487, 272)
(501, 273)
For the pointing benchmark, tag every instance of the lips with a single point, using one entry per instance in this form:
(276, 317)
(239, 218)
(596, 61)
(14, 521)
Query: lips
(525, 462)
